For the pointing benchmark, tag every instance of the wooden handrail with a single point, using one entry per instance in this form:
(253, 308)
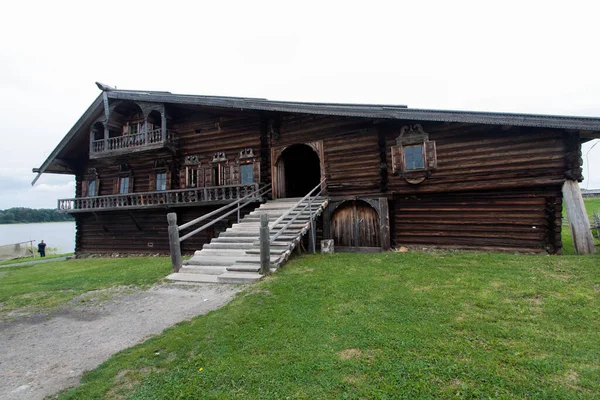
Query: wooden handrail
(175, 240)
(288, 212)
(256, 193)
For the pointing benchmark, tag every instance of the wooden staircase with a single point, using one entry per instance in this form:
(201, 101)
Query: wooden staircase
(234, 256)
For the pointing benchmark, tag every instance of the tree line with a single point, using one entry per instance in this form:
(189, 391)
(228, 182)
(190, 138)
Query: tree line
(21, 215)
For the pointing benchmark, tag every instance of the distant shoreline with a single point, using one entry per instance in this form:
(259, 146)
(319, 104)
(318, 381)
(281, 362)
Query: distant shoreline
(28, 223)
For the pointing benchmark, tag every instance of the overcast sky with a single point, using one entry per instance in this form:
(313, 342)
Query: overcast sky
(515, 56)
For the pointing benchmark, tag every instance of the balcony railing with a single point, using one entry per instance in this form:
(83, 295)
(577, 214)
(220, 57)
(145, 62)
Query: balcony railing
(122, 144)
(167, 198)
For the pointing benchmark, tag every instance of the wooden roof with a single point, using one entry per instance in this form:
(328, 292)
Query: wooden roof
(588, 127)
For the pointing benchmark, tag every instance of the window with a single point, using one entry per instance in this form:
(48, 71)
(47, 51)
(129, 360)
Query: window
(133, 129)
(247, 174)
(191, 177)
(92, 188)
(413, 158)
(218, 176)
(124, 185)
(161, 181)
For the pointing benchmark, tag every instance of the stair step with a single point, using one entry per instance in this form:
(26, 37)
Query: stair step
(241, 246)
(244, 268)
(196, 278)
(203, 269)
(239, 277)
(211, 260)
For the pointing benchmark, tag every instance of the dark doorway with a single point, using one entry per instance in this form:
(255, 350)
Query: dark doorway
(355, 224)
(302, 170)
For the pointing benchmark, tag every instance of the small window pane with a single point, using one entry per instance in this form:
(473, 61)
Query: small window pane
(247, 172)
(124, 185)
(91, 188)
(161, 181)
(413, 157)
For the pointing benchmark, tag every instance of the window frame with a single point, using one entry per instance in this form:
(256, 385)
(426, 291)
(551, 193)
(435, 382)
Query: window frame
(124, 184)
(160, 177)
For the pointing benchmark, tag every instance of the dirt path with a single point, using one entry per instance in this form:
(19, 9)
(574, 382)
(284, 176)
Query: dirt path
(42, 354)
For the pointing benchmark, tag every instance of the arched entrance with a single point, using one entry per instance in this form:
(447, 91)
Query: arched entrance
(355, 224)
(298, 170)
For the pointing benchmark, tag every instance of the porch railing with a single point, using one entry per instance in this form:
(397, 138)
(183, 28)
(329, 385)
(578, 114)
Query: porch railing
(139, 200)
(126, 142)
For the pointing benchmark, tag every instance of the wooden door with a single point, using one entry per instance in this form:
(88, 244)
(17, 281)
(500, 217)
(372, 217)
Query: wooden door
(355, 224)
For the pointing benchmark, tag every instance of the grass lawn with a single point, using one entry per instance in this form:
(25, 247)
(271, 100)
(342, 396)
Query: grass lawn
(47, 285)
(37, 258)
(591, 204)
(392, 325)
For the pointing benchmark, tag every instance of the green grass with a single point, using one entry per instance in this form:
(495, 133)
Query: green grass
(591, 204)
(393, 325)
(48, 285)
(37, 258)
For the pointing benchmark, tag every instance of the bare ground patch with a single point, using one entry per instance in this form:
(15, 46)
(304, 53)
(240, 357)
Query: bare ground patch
(41, 354)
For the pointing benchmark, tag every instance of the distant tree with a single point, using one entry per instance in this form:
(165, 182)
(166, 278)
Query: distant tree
(21, 215)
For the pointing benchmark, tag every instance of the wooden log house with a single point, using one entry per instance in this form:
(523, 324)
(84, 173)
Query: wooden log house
(394, 176)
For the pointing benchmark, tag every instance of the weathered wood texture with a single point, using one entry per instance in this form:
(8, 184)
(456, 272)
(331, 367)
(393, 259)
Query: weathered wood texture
(142, 232)
(483, 173)
(579, 223)
(480, 157)
(524, 220)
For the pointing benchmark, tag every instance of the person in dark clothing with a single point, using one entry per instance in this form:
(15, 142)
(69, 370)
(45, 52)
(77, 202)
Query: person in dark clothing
(42, 249)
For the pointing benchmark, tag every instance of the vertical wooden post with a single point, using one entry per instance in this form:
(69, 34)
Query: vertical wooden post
(265, 244)
(174, 242)
(312, 237)
(384, 223)
(579, 222)
(163, 124)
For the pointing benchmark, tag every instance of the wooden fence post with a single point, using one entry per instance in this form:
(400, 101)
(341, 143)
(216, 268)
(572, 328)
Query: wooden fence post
(579, 222)
(174, 242)
(265, 251)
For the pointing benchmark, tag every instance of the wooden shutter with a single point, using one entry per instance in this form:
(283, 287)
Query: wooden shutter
(397, 159)
(152, 182)
(208, 176)
(84, 188)
(430, 154)
(169, 177)
(116, 186)
(225, 175)
(182, 177)
(97, 188)
(235, 174)
(256, 171)
(130, 188)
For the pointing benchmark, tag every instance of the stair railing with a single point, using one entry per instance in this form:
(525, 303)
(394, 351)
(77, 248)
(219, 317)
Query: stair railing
(292, 209)
(175, 240)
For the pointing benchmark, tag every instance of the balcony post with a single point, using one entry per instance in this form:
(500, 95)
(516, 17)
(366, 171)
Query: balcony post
(91, 141)
(105, 144)
(145, 131)
(163, 124)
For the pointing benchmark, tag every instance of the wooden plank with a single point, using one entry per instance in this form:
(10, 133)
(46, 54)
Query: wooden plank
(579, 223)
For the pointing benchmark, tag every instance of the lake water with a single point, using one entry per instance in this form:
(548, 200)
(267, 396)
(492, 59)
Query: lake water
(59, 235)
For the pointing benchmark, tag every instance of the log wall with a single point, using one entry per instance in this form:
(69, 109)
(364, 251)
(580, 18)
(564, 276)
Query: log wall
(524, 220)
(494, 187)
(143, 232)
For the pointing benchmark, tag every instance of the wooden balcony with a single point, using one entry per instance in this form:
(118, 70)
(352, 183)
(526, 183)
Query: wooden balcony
(164, 199)
(142, 141)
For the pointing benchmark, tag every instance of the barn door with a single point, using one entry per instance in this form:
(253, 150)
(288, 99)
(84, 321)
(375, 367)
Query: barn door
(355, 224)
